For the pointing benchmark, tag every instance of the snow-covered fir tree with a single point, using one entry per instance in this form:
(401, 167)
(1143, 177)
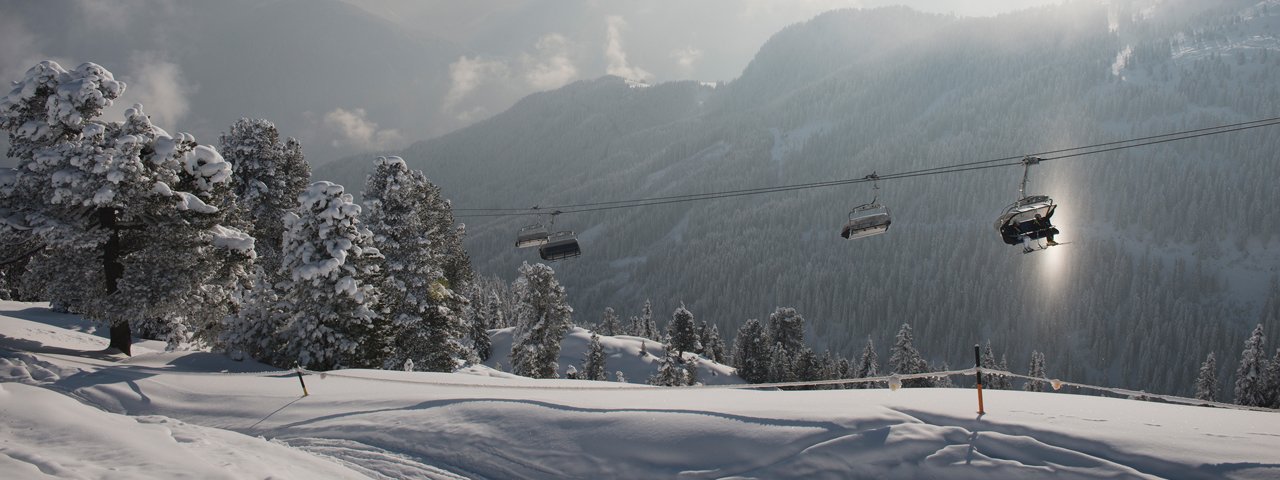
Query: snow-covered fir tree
(786, 326)
(683, 332)
(751, 349)
(609, 323)
(479, 332)
(1271, 382)
(806, 366)
(671, 372)
(542, 318)
(868, 365)
(128, 193)
(593, 367)
(1035, 369)
(713, 346)
(269, 175)
(781, 368)
(331, 297)
(1249, 389)
(905, 360)
(845, 370)
(828, 370)
(644, 326)
(1004, 382)
(992, 381)
(943, 381)
(424, 313)
(1207, 380)
(691, 371)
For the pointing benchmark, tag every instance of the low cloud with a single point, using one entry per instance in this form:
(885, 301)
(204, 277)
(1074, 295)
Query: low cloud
(477, 83)
(160, 86)
(616, 56)
(354, 130)
(468, 74)
(686, 57)
(550, 67)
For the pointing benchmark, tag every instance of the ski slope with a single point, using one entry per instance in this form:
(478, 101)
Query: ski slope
(68, 410)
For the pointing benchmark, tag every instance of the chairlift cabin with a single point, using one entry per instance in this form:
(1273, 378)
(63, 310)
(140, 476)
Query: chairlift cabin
(531, 236)
(867, 220)
(560, 246)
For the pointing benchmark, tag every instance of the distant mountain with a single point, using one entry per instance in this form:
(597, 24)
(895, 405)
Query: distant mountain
(1173, 249)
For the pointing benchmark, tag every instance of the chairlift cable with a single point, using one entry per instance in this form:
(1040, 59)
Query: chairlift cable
(947, 169)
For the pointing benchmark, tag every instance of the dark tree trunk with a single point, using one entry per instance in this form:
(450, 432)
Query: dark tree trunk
(121, 337)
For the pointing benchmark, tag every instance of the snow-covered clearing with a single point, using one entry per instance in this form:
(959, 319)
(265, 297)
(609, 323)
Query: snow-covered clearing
(67, 411)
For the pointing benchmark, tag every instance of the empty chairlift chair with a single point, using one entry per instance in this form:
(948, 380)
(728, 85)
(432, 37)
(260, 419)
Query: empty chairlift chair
(531, 236)
(867, 220)
(560, 246)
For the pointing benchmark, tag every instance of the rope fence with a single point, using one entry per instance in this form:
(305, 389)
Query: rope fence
(893, 381)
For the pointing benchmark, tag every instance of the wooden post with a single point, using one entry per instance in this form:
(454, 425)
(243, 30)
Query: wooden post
(977, 363)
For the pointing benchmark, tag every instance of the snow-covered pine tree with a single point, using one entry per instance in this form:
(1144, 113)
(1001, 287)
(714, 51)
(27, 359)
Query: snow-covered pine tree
(593, 366)
(943, 381)
(646, 328)
(269, 175)
(1253, 362)
(1035, 369)
(1271, 382)
(128, 193)
(807, 367)
(671, 371)
(497, 319)
(828, 370)
(868, 365)
(542, 318)
(424, 313)
(691, 371)
(479, 334)
(684, 335)
(993, 382)
(1207, 380)
(609, 323)
(751, 352)
(1003, 382)
(781, 368)
(714, 348)
(905, 360)
(844, 371)
(619, 377)
(330, 296)
(786, 326)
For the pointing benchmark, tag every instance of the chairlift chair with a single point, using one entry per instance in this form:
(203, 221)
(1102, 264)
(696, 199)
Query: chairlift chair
(867, 220)
(559, 246)
(531, 236)
(1028, 217)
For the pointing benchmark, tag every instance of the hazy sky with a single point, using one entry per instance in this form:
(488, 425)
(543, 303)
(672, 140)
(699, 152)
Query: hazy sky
(389, 72)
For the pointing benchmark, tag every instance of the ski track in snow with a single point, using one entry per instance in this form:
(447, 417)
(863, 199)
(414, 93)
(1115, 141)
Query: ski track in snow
(385, 424)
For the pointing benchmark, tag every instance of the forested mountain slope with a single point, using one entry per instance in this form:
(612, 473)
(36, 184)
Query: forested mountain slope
(1173, 249)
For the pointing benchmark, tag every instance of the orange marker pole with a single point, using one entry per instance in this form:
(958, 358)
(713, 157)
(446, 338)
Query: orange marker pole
(298, 370)
(977, 362)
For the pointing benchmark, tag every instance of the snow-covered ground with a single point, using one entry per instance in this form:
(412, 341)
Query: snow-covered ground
(68, 411)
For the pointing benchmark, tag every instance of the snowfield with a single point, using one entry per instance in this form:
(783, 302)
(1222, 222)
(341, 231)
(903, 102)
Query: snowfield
(68, 410)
